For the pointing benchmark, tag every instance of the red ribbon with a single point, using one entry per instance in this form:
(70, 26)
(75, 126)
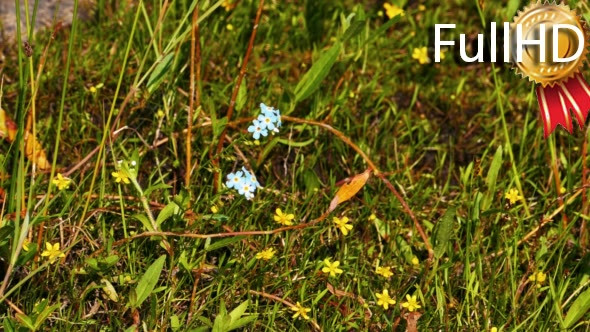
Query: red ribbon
(556, 102)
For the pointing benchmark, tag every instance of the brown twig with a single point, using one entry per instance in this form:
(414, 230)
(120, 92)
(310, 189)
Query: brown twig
(220, 235)
(232, 103)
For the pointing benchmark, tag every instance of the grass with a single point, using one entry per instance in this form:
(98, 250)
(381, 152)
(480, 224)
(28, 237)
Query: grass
(450, 139)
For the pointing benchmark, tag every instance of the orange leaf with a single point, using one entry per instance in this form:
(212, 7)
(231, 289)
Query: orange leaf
(33, 149)
(348, 190)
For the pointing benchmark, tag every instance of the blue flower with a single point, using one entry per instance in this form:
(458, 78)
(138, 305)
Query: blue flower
(235, 180)
(257, 128)
(244, 182)
(249, 177)
(267, 121)
(269, 112)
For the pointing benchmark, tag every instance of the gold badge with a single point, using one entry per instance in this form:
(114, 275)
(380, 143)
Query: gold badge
(549, 73)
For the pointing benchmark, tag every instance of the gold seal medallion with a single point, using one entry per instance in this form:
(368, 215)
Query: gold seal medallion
(548, 73)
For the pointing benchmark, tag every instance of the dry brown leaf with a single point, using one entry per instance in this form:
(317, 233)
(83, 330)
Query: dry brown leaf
(348, 190)
(33, 149)
(412, 321)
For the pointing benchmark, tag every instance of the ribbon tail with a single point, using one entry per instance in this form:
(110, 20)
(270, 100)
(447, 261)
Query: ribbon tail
(554, 111)
(577, 94)
(558, 101)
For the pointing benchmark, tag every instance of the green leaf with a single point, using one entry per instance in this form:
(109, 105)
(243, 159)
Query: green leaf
(158, 74)
(242, 96)
(296, 144)
(148, 281)
(26, 256)
(26, 321)
(239, 311)
(444, 232)
(578, 309)
(316, 74)
(242, 322)
(355, 27)
(144, 221)
(492, 177)
(221, 323)
(174, 323)
(167, 212)
(223, 243)
(158, 186)
(6, 231)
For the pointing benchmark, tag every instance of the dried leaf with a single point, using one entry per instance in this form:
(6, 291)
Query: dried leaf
(33, 149)
(348, 190)
(412, 321)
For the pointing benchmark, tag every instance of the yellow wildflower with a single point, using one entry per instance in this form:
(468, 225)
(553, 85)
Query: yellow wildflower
(266, 254)
(384, 271)
(342, 224)
(538, 278)
(421, 54)
(284, 218)
(392, 10)
(372, 217)
(415, 260)
(412, 303)
(384, 299)
(331, 267)
(229, 27)
(513, 196)
(61, 182)
(26, 244)
(160, 114)
(214, 209)
(120, 177)
(494, 329)
(300, 311)
(421, 8)
(52, 252)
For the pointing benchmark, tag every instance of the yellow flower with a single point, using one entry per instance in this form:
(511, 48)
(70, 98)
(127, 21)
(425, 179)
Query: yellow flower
(26, 244)
(538, 277)
(214, 209)
(229, 27)
(120, 177)
(421, 8)
(342, 224)
(412, 303)
(266, 254)
(331, 268)
(300, 311)
(421, 54)
(372, 217)
(284, 218)
(415, 260)
(160, 114)
(513, 196)
(392, 10)
(442, 54)
(52, 252)
(384, 299)
(384, 271)
(61, 182)
(562, 190)
(494, 329)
